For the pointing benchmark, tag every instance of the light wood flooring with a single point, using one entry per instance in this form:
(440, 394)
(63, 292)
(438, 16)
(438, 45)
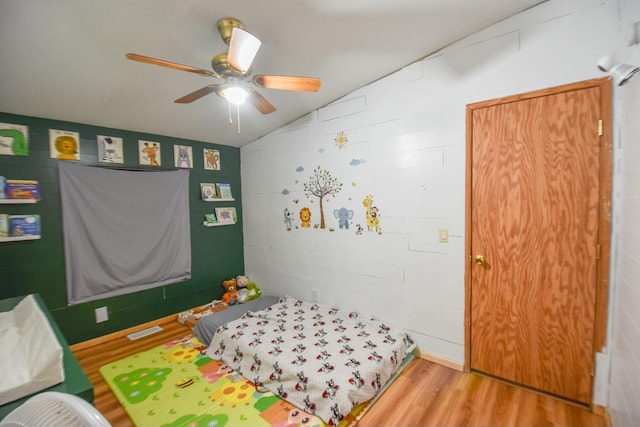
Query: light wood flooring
(101, 351)
(425, 394)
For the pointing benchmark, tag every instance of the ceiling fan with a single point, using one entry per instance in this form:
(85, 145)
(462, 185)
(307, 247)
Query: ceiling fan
(234, 67)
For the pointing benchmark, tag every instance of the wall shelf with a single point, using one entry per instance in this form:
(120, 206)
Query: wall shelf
(216, 224)
(16, 201)
(19, 238)
(220, 200)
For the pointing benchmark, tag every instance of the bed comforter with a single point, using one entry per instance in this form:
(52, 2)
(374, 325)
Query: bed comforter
(320, 359)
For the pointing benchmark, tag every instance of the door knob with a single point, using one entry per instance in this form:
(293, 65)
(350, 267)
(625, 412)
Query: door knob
(480, 260)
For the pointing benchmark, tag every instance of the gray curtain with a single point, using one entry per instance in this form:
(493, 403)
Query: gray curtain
(124, 231)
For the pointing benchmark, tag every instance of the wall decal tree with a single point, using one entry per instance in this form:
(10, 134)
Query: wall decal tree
(321, 184)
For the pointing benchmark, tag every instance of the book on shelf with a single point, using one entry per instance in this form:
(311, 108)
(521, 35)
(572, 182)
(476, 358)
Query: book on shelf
(226, 215)
(21, 189)
(24, 225)
(4, 225)
(223, 191)
(208, 191)
(210, 218)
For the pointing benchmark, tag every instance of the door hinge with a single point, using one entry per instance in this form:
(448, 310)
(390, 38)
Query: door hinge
(600, 127)
(598, 251)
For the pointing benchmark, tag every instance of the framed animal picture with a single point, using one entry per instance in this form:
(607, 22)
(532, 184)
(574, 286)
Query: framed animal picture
(64, 145)
(149, 153)
(183, 155)
(211, 159)
(110, 149)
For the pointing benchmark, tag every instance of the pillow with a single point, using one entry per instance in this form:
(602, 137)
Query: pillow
(207, 325)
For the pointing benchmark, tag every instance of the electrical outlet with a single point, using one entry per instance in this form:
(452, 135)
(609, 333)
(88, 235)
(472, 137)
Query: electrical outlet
(102, 315)
(314, 295)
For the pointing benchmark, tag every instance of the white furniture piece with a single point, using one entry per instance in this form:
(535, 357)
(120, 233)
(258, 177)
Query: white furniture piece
(53, 408)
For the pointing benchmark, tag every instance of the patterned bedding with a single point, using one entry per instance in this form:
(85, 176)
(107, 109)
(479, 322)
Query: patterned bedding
(320, 359)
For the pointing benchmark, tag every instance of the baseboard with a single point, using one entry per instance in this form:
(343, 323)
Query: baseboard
(603, 411)
(442, 361)
(123, 333)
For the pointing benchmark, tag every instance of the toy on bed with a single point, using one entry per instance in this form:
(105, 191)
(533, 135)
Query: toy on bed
(243, 292)
(254, 291)
(190, 317)
(231, 294)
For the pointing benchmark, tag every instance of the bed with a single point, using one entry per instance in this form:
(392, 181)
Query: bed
(320, 359)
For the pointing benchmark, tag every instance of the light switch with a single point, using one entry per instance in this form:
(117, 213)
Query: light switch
(444, 235)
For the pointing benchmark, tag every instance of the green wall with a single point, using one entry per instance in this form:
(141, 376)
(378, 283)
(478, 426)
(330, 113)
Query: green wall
(37, 266)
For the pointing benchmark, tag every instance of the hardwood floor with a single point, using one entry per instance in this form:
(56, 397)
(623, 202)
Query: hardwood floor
(425, 394)
(429, 394)
(101, 351)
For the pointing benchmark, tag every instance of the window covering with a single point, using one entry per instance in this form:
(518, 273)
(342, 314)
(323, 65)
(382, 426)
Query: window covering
(124, 230)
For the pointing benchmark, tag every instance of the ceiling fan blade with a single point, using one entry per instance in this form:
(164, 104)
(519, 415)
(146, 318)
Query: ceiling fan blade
(260, 103)
(242, 49)
(168, 64)
(193, 96)
(306, 84)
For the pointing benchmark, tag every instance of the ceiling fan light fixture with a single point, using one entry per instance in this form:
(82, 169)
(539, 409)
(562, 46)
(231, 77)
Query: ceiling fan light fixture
(242, 49)
(234, 94)
(234, 67)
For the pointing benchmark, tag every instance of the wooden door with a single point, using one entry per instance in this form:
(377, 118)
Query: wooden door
(534, 218)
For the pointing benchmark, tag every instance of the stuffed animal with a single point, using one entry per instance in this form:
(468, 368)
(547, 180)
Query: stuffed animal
(243, 292)
(241, 281)
(254, 291)
(231, 294)
(243, 295)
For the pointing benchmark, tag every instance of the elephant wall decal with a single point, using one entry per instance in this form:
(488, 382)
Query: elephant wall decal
(343, 215)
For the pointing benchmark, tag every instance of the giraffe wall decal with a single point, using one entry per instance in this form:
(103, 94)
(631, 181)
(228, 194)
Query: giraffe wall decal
(373, 224)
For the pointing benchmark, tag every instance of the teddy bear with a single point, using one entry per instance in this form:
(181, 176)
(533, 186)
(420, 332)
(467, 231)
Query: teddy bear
(231, 294)
(243, 292)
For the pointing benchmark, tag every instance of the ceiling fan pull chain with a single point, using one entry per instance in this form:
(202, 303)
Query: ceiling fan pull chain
(238, 118)
(237, 115)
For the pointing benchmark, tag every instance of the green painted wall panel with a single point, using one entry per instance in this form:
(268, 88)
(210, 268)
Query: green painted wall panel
(38, 266)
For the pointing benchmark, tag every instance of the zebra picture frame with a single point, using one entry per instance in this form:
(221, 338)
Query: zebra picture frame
(110, 149)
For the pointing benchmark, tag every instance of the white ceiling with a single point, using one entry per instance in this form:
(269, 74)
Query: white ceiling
(65, 59)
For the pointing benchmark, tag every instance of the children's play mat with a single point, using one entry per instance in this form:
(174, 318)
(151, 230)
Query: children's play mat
(175, 384)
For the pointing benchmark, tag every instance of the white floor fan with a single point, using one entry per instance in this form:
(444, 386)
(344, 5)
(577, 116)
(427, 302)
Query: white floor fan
(54, 409)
